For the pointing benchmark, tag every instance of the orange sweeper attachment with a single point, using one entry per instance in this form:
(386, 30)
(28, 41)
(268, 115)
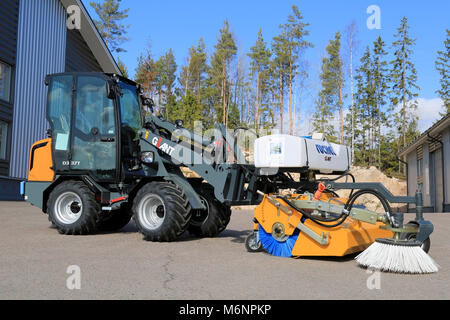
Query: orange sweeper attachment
(314, 221)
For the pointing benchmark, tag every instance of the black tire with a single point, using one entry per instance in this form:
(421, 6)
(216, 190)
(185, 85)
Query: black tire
(252, 245)
(412, 236)
(67, 214)
(210, 222)
(165, 220)
(114, 220)
(425, 245)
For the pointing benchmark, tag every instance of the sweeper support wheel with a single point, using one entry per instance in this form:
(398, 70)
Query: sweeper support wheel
(252, 243)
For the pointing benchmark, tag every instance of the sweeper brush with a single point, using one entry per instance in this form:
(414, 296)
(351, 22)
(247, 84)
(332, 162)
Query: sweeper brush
(397, 256)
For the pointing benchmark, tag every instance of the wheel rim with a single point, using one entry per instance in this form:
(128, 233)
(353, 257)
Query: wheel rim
(199, 216)
(253, 243)
(68, 208)
(152, 211)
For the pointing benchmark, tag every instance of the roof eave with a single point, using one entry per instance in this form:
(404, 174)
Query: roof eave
(435, 129)
(94, 40)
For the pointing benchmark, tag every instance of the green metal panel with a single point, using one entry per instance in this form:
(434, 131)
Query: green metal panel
(34, 192)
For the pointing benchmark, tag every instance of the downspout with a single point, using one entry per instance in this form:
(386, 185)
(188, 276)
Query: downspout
(407, 180)
(443, 170)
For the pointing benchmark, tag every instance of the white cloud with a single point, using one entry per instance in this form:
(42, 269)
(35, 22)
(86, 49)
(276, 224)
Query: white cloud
(428, 112)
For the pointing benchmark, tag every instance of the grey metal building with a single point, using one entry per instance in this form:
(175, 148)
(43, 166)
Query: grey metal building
(35, 41)
(428, 160)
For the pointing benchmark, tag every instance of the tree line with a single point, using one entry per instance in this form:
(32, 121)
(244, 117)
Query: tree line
(258, 89)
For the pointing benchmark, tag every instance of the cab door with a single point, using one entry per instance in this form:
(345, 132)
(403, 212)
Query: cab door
(59, 116)
(94, 130)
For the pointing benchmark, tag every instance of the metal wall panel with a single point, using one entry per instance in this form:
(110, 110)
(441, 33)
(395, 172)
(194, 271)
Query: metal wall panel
(41, 50)
(78, 55)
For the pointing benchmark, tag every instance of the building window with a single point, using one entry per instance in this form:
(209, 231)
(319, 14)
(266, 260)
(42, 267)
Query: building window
(3, 139)
(5, 82)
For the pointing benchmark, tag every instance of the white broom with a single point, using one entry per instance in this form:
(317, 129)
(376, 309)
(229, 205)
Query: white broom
(397, 256)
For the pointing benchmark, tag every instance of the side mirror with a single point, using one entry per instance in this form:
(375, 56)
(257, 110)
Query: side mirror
(110, 92)
(148, 102)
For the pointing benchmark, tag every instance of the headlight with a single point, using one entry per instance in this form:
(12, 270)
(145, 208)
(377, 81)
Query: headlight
(147, 157)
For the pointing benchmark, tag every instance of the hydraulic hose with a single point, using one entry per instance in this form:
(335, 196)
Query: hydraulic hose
(348, 207)
(352, 199)
(316, 220)
(341, 176)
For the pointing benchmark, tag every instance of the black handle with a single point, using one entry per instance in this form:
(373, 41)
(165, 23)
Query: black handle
(107, 139)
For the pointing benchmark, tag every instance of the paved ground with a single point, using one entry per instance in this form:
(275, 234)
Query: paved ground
(34, 259)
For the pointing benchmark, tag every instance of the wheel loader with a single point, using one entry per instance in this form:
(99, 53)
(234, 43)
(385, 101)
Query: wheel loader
(109, 159)
(104, 163)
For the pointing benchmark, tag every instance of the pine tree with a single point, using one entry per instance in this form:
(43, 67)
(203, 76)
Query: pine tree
(280, 70)
(404, 89)
(166, 76)
(187, 109)
(294, 33)
(260, 69)
(380, 83)
(365, 108)
(330, 96)
(352, 44)
(218, 81)
(109, 26)
(146, 72)
(193, 74)
(123, 68)
(443, 67)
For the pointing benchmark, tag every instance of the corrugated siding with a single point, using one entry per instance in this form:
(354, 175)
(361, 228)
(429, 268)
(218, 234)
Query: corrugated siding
(40, 51)
(78, 55)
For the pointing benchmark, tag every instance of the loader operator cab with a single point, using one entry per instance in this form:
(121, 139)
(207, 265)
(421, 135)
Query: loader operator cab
(94, 120)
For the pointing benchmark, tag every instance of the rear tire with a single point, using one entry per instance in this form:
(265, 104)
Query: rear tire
(161, 211)
(213, 220)
(72, 209)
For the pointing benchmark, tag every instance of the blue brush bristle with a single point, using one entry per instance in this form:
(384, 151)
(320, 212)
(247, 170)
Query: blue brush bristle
(280, 249)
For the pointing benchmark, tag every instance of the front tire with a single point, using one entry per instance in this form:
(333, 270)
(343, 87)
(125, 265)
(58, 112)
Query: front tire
(161, 211)
(213, 220)
(72, 209)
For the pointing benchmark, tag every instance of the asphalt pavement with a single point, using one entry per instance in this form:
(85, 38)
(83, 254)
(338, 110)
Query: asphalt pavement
(36, 262)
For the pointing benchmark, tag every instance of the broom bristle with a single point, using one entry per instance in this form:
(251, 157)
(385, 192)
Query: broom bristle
(397, 258)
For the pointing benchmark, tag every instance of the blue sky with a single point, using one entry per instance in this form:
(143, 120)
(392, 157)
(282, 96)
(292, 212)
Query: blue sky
(179, 25)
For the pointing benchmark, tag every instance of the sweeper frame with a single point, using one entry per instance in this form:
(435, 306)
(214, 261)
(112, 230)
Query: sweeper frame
(276, 223)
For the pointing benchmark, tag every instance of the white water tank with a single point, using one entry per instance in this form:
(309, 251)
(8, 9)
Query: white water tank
(285, 151)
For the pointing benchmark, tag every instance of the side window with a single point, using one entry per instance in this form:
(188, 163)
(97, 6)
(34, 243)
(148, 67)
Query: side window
(93, 108)
(60, 109)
